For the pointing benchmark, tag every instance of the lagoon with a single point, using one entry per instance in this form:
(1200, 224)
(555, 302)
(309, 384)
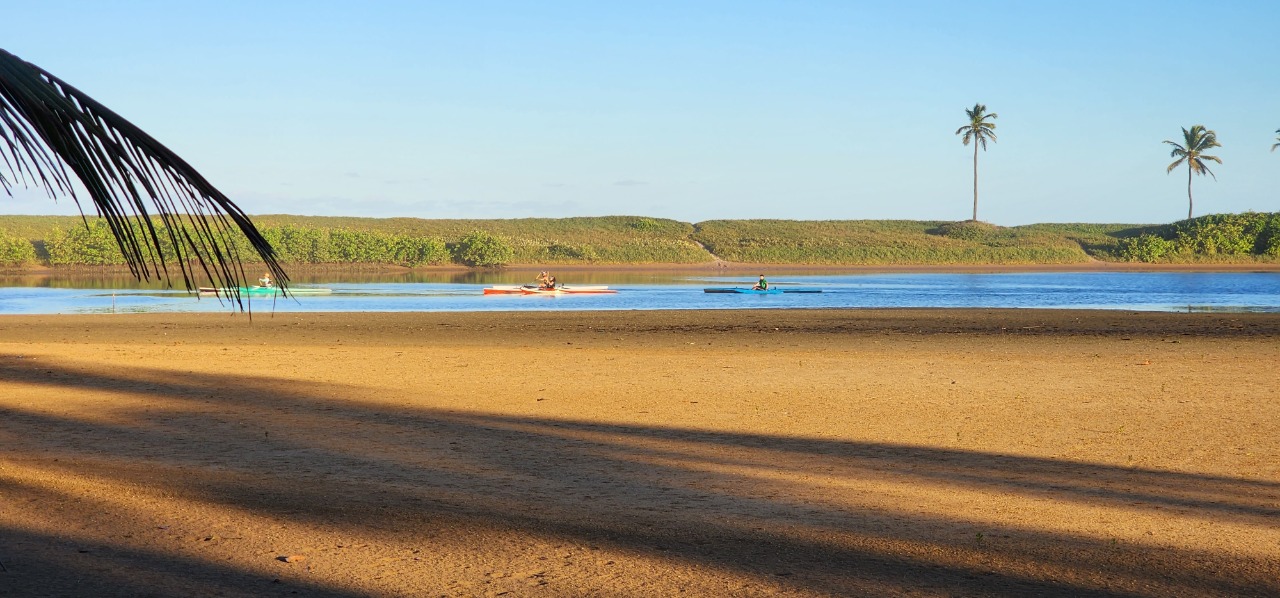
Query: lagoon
(1141, 291)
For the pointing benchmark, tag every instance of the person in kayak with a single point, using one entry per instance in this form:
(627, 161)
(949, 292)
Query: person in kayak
(265, 280)
(546, 281)
(761, 285)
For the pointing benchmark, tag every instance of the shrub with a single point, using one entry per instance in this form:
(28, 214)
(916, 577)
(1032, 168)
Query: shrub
(1268, 240)
(348, 246)
(1146, 248)
(298, 245)
(484, 250)
(967, 230)
(418, 251)
(14, 251)
(1228, 234)
(571, 253)
(644, 224)
(90, 245)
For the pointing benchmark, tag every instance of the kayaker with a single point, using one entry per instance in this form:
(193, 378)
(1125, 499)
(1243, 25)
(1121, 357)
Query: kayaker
(266, 279)
(761, 285)
(546, 281)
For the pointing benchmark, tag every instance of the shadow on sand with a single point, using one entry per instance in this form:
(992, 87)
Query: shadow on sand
(773, 508)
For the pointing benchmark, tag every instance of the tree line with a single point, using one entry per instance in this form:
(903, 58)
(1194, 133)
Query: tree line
(95, 245)
(1220, 238)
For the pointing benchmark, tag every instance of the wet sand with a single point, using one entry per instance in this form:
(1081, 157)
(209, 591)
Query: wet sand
(709, 453)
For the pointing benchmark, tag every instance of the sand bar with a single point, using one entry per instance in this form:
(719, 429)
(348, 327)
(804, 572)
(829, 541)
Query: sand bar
(714, 453)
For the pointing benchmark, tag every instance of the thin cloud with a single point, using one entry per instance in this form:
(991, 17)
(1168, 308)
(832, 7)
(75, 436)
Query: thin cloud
(630, 183)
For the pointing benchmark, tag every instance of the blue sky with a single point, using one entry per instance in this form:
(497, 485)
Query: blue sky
(684, 110)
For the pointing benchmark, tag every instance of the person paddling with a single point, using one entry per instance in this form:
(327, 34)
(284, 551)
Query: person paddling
(546, 281)
(761, 285)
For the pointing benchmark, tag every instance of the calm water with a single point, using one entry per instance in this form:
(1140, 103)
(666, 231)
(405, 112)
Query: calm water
(1149, 291)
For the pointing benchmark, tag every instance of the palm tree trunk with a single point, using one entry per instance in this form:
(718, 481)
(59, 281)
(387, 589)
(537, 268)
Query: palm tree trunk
(1189, 201)
(975, 181)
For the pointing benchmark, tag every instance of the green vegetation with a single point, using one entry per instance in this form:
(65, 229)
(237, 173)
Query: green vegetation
(408, 242)
(1251, 236)
(484, 250)
(81, 245)
(15, 251)
(307, 245)
(885, 242)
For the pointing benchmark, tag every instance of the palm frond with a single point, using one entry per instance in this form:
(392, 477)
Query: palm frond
(1199, 167)
(1176, 163)
(978, 131)
(48, 127)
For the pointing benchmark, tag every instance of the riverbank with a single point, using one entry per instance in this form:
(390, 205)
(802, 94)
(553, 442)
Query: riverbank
(321, 272)
(886, 452)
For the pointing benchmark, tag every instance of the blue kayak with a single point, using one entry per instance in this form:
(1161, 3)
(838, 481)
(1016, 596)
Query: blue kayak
(771, 291)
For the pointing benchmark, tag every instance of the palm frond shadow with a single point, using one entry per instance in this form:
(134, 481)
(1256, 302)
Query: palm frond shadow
(713, 499)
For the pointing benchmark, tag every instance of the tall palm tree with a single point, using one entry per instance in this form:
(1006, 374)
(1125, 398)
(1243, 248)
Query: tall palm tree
(978, 131)
(48, 127)
(1195, 142)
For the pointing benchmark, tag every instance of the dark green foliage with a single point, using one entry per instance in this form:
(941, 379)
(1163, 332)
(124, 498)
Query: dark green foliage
(484, 250)
(1146, 248)
(299, 244)
(418, 251)
(348, 246)
(604, 240)
(1228, 234)
(92, 245)
(1219, 237)
(15, 251)
(644, 224)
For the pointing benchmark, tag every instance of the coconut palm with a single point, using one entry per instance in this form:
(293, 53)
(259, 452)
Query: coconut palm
(1195, 142)
(51, 131)
(978, 131)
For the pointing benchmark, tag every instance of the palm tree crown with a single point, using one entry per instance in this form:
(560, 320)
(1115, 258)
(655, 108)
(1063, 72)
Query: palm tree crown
(48, 127)
(1196, 141)
(977, 131)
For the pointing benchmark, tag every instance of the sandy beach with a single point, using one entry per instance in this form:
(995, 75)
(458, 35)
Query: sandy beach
(709, 453)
